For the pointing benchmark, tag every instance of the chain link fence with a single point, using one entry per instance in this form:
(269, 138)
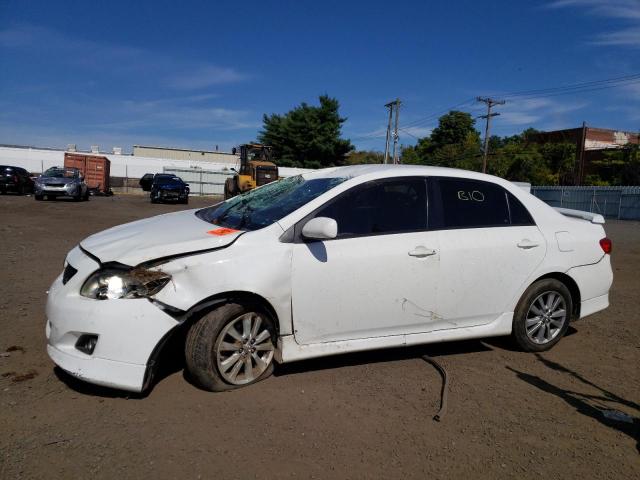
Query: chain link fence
(622, 203)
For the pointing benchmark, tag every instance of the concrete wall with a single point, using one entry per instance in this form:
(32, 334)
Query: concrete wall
(184, 154)
(126, 166)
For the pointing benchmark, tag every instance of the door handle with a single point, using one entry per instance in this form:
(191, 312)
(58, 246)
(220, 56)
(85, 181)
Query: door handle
(422, 252)
(527, 244)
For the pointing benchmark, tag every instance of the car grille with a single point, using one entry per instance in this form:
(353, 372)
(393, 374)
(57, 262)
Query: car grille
(68, 273)
(54, 185)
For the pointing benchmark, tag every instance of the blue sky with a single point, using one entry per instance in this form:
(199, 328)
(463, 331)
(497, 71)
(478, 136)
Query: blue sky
(201, 73)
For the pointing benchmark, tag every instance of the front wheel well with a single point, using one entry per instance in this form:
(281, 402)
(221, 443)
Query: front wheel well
(245, 298)
(573, 289)
(169, 351)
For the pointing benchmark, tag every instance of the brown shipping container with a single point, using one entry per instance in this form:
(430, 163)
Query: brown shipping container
(95, 169)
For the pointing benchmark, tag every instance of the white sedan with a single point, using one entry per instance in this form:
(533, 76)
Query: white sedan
(338, 260)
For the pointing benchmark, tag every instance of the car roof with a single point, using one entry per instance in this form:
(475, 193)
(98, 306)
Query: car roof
(390, 170)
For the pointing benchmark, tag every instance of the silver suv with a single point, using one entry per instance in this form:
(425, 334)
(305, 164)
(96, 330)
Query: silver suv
(61, 182)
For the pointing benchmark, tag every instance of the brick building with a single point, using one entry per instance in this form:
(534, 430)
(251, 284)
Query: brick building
(591, 143)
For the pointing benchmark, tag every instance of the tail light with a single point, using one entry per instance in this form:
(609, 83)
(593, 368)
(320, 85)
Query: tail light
(606, 244)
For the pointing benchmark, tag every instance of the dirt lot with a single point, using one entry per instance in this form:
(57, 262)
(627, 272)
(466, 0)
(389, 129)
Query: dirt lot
(368, 415)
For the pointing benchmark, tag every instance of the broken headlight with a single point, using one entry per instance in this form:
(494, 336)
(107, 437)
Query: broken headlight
(110, 283)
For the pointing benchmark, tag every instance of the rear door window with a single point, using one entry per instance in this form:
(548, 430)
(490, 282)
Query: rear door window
(380, 207)
(465, 203)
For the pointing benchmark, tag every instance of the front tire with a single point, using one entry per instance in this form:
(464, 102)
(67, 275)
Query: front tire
(230, 347)
(230, 189)
(542, 316)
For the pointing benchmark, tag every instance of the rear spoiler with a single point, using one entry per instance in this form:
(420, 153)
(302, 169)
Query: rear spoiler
(589, 216)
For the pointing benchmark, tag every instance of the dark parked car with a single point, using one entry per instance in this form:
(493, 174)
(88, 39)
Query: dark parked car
(165, 187)
(15, 179)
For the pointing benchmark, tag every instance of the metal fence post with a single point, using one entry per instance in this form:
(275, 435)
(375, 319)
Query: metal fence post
(620, 205)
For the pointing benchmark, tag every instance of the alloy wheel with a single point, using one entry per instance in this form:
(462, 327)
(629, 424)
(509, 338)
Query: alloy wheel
(546, 316)
(244, 349)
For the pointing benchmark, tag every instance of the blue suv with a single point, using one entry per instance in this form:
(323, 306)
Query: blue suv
(165, 187)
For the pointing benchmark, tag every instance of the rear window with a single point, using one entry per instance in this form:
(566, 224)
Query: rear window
(58, 172)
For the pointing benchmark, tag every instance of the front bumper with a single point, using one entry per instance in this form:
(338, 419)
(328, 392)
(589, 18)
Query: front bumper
(65, 190)
(170, 195)
(128, 331)
(8, 187)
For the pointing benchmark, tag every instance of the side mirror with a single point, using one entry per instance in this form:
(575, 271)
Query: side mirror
(320, 228)
(233, 170)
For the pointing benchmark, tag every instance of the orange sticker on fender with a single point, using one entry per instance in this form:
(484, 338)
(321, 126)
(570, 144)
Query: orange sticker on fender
(222, 231)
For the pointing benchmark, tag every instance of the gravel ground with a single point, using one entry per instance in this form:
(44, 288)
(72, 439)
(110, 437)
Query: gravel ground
(366, 415)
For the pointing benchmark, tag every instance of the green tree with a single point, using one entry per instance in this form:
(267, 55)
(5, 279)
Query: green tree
(453, 143)
(364, 156)
(454, 128)
(307, 136)
(617, 167)
(560, 159)
(418, 154)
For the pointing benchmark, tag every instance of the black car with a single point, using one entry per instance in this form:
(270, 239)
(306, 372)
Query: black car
(15, 179)
(165, 187)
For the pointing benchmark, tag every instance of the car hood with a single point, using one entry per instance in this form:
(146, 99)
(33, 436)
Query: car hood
(158, 237)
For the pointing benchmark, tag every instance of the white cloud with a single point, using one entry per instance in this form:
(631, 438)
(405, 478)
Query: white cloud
(129, 63)
(205, 76)
(629, 37)
(542, 113)
(626, 10)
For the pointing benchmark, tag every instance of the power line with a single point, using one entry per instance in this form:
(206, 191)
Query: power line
(570, 88)
(409, 133)
(583, 87)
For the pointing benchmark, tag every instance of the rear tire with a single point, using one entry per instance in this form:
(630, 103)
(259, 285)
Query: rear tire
(39, 197)
(542, 315)
(230, 347)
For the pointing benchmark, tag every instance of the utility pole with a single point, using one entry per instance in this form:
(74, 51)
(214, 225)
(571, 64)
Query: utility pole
(396, 151)
(393, 107)
(490, 103)
(386, 147)
(580, 155)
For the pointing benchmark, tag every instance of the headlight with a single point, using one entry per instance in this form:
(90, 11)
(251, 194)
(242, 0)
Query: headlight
(110, 283)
